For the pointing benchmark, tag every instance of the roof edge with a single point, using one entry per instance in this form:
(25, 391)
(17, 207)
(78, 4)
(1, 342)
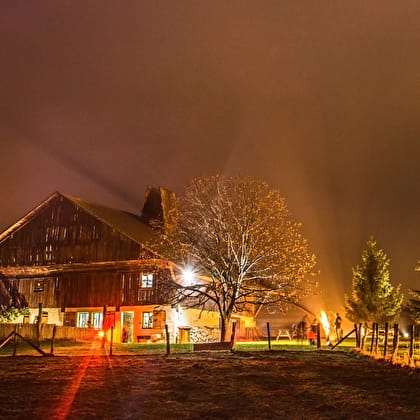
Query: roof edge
(28, 216)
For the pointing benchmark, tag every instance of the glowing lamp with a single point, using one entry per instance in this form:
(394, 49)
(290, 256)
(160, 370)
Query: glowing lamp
(188, 275)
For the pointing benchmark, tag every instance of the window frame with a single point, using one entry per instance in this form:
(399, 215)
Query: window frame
(147, 320)
(147, 281)
(82, 319)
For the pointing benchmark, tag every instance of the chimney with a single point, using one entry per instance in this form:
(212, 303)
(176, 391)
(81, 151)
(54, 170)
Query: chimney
(159, 209)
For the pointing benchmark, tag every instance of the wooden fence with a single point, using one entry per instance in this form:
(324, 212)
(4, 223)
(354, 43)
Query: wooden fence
(385, 340)
(30, 332)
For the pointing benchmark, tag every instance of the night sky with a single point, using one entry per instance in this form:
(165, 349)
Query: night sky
(100, 99)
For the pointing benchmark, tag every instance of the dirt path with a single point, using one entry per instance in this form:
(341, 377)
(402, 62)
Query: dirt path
(288, 385)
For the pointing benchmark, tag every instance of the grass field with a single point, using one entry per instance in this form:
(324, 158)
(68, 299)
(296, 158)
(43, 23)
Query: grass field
(289, 384)
(81, 348)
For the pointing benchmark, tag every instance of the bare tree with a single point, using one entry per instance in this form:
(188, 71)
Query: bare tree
(244, 248)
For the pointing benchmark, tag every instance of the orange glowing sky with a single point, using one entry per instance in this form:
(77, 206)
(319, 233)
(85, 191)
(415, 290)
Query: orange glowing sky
(322, 100)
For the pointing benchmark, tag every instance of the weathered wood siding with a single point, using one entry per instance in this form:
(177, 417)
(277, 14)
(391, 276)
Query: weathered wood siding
(64, 233)
(97, 288)
(134, 294)
(36, 290)
(76, 246)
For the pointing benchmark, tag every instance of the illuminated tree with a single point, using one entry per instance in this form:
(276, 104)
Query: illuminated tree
(12, 303)
(10, 313)
(413, 305)
(373, 298)
(244, 248)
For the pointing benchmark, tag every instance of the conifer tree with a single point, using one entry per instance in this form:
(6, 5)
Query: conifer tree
(373, 298)
(414, 305)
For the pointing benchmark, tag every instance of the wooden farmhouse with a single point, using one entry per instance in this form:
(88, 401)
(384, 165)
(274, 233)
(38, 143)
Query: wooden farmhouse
(80, 264)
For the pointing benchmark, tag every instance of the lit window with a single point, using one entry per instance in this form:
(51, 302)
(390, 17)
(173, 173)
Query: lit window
(97, 320)
(147, 320)
(147, 280)
(93, 319)
(82, 319)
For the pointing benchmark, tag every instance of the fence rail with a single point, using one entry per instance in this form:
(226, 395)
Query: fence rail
(30, 332)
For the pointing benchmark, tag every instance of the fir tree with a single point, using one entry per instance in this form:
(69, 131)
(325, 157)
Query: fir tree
(414, 305)
(373, 298)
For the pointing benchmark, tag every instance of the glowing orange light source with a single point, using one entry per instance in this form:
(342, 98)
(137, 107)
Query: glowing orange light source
(101, 334)
(188, 275)
(325, 323)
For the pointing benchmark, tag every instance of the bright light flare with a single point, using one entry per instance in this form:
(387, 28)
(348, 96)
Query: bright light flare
(101, 334)
(188, 275)
(325, 323)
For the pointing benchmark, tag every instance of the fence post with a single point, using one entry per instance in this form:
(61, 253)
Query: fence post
(357, 332)
(318, 336)
(168, 344)
(411, 348)
(111, 340)
(386, 339)
(372, 337)
(53, 338)
(395, 342)
(38, 324)
(376, 337)
(269, 336)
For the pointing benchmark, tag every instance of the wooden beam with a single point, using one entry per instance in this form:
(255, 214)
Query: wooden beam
(50, 270)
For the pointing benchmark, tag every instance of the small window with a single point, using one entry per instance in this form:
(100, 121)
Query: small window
(147, 280)
(147, 320)
(48, 253)
(82, 319)
(96, 319)
(39, 286)
(70, 319)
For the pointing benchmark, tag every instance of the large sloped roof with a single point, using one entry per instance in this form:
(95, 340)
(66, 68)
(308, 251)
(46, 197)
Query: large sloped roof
(29, 216)
(122, 221)
(128, 224)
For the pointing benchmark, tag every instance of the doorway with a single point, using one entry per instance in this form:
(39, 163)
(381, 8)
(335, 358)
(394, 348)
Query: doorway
(127, 322)
(184, 334)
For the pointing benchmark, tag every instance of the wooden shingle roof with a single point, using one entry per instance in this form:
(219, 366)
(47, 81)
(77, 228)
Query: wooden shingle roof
(126, 223)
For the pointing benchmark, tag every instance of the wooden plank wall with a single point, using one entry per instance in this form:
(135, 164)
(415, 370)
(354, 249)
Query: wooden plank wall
(63, 233)
(29, 331)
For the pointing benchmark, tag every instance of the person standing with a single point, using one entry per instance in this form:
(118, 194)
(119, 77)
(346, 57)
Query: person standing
(338, 329)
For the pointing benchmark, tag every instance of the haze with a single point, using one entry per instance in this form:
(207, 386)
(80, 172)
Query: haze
(102, 98)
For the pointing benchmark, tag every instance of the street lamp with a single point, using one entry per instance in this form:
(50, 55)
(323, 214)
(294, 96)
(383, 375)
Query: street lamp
(188, 275)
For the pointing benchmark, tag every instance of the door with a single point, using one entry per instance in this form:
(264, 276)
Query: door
(184, 335)
(127, 322)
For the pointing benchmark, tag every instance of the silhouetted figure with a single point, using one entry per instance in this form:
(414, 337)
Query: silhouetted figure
(338, 329)
(124, 336)
(311, 336)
